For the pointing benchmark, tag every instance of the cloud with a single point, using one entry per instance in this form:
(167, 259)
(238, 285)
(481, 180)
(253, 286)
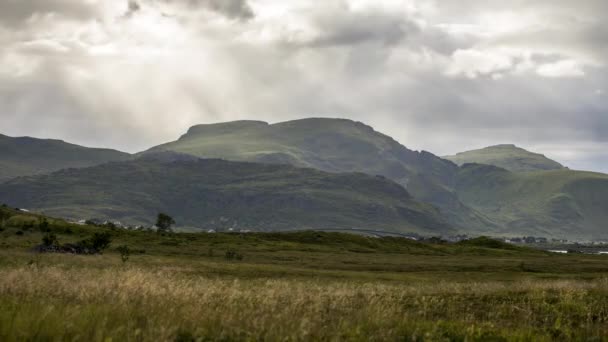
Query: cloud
(16, 13)
(565, 68)
(132, 7)
(442, 76)
(233, 9)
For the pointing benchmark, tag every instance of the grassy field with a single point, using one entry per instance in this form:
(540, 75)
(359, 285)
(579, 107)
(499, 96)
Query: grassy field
(293, 286)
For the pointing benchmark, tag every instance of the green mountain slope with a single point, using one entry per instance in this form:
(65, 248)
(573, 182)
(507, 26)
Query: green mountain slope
(508, 157)
(220, 194)
(333, 145)
(560, 203)
(29, 156)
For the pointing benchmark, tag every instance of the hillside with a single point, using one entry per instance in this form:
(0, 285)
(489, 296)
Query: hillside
(333, 145)
(559, 203)
(220, 195)
(509, 157)
(28, 156)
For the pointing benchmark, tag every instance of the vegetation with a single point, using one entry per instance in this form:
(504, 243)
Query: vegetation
(164, 223)
(223, 195)
(560, 203)
(125, 253)
(294, 286)
(29, 156)
(509, 157)
(333, 145)
(540, 198)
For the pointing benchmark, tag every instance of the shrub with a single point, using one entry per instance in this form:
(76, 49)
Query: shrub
(98, 242)
(91, 222)
(44, 225)
(125, 253)
(19, 232)
(232, 254)
(50, 239)
(184, 336)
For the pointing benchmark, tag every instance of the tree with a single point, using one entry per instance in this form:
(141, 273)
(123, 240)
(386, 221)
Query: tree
(164, 223)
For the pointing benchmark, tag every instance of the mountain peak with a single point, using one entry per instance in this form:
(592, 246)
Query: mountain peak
(507, 156)
(504, 146)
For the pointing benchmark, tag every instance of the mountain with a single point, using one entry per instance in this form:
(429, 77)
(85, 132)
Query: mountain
(28, 156)
(555, 203)
(509, 157)
(332, 145)
(221, 194)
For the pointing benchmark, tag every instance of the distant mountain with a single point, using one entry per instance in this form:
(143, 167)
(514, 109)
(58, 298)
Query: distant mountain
(333, 145)
(28, 156)
(558, 203)
(220, 194)
(508, 157)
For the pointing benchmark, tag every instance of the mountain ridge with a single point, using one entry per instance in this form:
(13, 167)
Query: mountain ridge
(21, 156)
(332, 145)
(219, 194)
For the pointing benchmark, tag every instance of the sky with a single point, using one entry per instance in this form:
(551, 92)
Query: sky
(437, 75)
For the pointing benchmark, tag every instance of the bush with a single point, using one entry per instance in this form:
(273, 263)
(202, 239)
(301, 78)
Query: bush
(50, 239)
(125, 253)
(232, 254)
(19, 232)
(44, 225)
(98, 242)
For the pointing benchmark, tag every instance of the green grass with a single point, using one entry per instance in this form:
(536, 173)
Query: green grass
(293, 286)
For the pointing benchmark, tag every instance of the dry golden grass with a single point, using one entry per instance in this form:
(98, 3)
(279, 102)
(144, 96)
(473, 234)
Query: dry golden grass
(165, 304)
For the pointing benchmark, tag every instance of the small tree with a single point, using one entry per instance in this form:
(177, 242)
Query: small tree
(125, 252)
(164, 223)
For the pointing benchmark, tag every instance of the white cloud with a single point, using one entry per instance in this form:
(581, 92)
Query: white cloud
(473, 63)
(565, 68)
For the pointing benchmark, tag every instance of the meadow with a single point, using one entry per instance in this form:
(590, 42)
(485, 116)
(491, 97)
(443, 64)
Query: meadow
(292, 286)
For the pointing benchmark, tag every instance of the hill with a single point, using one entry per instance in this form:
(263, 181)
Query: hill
(509, 157)
(559, 203)
(332, 145)
(29, 156)
(220, 194)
